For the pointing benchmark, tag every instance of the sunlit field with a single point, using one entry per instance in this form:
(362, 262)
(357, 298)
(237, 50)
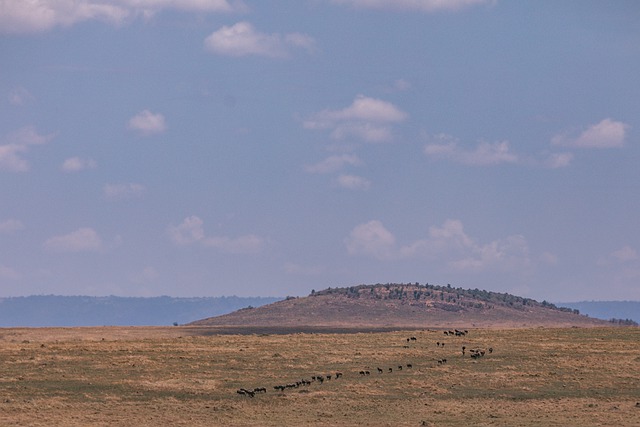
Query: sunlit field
(186, 376)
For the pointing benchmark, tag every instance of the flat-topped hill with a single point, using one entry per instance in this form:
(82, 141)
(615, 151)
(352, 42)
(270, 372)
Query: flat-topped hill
(404, 306)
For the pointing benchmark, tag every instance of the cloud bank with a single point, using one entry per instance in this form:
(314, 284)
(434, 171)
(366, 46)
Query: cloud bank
(484, 154)
(191, 231)
(427, 6)
(34, 16)
(82, 240)
(448, 243)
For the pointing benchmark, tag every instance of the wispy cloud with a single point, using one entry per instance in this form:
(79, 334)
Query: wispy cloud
(448, 243)
(123, 191)
(624, 255)
(427, 6)
(334, 163)
(191, 231)
(558, 160)
(8, 273)
(369, 119)
(76, 164)
(302, 270)
(242, 39)
(23, 17)
(353, 182)
(238, 245)
(17, 145)
(187, 232)
(399, 85)
(20, 96)
(483, 154)
(81, 240)
(10, 226)
(147, 123)
(607, 133)
(146, 275)
(372, 239)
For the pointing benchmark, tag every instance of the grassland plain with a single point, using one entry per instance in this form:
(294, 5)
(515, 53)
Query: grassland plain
(190, 376)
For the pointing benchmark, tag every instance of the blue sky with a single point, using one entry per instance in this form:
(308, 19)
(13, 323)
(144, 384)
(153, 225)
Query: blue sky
(219, 147)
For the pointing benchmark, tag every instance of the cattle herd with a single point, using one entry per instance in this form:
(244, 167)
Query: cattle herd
(318, 379)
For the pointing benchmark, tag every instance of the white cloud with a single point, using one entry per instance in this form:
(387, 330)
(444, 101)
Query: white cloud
(371, 239)
(9, 273)
(427, 6)
(191, 231)
(18, 143)
(242, 39)
(123, 191)
(32, 16)
(605, 134)
(148, 123)
(353, 182)
(559, 160)
(484, 154)
(76, 164)
(363, 109)
(448, 244)
(334, 163)
(366, 118)
(10, 226)
(82, 240)
(511, 253)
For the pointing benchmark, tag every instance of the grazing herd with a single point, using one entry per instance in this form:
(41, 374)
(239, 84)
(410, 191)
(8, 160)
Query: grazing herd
(475, 353)
(456, 333)
(282, 387)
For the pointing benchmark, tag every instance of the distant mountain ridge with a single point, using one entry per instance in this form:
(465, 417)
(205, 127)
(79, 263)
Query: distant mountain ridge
(54, 310)
(607, 309)
(404, 305)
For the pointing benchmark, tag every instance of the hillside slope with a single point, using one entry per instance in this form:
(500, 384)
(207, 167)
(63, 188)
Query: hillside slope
(404, 305)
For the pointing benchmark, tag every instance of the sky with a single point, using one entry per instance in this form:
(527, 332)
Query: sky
(254, 148)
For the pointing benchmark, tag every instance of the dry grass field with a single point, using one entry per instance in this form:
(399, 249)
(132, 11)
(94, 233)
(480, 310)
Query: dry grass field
(190, 377)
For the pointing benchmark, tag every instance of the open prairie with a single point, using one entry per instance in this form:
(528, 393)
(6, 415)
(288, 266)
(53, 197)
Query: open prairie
(191, 376)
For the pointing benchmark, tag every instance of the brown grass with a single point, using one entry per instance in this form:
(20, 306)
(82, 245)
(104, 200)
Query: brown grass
(183, 376)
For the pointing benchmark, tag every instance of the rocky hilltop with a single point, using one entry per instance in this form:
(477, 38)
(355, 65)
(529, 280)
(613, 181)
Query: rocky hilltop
(403, 306)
